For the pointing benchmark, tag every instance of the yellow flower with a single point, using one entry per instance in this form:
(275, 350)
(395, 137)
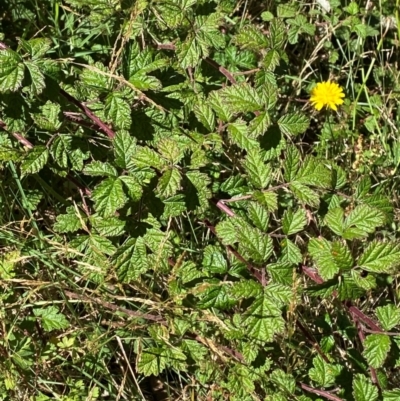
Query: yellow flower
(328, 94)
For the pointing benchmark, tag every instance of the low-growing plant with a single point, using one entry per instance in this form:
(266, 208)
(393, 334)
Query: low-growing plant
(179, 221)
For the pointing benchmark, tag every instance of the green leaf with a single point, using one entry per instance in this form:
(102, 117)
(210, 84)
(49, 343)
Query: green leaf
(324, 373)
(277, 32)
(259, 173)
(365, 218)
(246, 289)
(205, 115)
(380, 257)
(68, 223)
(118, 111)
(133, 186)
(363, 389)
(285, 382)
(290, 252)
(263, 319)
(216, 296)
(268, 199)
(60, 149)
(227, 232)
(220, 107)
(292, 223)
(250, 37)
(254, 244)
(36, 47)
(37, 83)
(147, 157)
(48, 119)
(189, 52)
(213, 260)
(168, 183)
(242, 98)
(238, 133)
(389, 316)
(11, 71)
(334, 219)
(391, 395)
(109, 227)
(108, 197)
(124, 148)
(305, 194)
(258, 215)
(376, 348)
(151, 362)
(321, 251)
(291, 164)
(293, 124)
(35, 160)
(130, 259)
(100, 169)
(259, 125)
(51, 319)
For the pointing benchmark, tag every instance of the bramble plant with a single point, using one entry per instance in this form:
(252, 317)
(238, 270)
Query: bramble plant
(199, 200)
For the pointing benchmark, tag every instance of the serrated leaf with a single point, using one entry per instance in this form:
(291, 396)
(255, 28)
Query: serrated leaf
(238, 133)
(189, 52)
(100, 169)
(365, 219)
(168, 183)
(109, 227)
(37, 83)
(147, 157)
(324, 373)
(151, 362)
(218, 104)
(363, 389)
(321, 251)
(291, 164)
(68, 223)
(35, 160)
(174, 206)
(259, 173)
(376, 348)
(216, 296)
(305, 194)
(268, 199)
(36, 47)
(118, 111)
(205, 115)
(241, 98)
(254, 244)
(391, 395)
(259, 125)
(263, 319)
(133, 186)
(380, 257)
(11, 71)
(334, 219)
(60, 148)
(250, 37)
(293, 124)
(124, 148)
(227, 232)
(51, 319)
(48, 119)
(214, 260)
(108, 197)
(389, 316)
(171, 150)
(246, 289)
(277, 33)
(130, 259)
(258, 215)
(293, 222)
(290, 252)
